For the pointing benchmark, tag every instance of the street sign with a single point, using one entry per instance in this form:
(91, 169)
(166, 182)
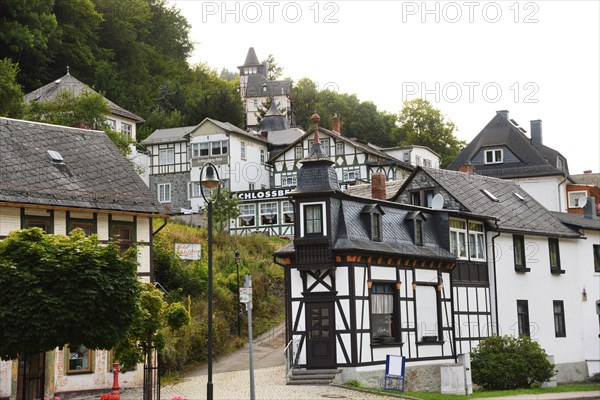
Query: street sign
(245, 295)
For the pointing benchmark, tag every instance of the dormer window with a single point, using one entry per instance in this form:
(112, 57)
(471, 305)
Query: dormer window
(372, 213)
(376, 227)
(494, 156)
(416, 218)
(419, 232)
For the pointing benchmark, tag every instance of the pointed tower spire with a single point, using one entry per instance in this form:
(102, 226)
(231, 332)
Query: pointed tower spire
(68, 70)
(315, 119)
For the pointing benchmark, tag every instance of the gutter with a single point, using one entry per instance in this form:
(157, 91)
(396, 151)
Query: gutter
(495, 279)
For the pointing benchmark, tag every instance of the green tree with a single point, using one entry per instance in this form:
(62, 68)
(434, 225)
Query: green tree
(506, 362)
(422, 124)
(225, 207)
(274, 71)
(10, 91)
(88, 109)
(26, 30)
(59, 290)
(153, 318)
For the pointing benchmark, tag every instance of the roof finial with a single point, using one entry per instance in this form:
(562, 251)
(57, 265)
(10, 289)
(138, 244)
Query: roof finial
(68, 70)
(315, 119)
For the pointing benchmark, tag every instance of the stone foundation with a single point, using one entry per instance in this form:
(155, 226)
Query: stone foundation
(571, 372)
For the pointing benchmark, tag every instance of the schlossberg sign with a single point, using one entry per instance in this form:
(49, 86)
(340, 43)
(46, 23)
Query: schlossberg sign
(262, 194)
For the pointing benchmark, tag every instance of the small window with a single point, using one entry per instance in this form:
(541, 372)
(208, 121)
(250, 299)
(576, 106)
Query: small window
(376, 227)
(288, 212)
(427, 162)
(123, 235)
(37, 223)
(559, 318)
(247, 215)
(458, 238)
(476, 241)
(419, 232)
(166, 156)
(339, 149)
(494, 156)
(519, 253)
(324, 145)
(523, 317)
(298, 152)
(289, 181)
(406, 156)
(80, 360)
(263, 155)
(422, 197)
(127, 131)
(554, 251)
(575, 197)
(216, 148)
(418, 160)
(268, 214)
(243, 150)
(112, 124)
(597, 258)
(86, 227)
(164, 192)
(351, 176)
(313, 219)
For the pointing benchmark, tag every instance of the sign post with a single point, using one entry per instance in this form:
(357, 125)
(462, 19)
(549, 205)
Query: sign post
(246, 297)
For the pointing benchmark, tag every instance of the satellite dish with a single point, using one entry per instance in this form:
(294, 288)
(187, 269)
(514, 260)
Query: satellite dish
(437, 203)
(581, 201)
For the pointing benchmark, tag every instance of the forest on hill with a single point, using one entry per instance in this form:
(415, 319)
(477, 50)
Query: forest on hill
(136, 52)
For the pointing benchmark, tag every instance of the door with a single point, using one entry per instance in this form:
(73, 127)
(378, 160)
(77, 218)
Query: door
(320, 337)
(30, 381)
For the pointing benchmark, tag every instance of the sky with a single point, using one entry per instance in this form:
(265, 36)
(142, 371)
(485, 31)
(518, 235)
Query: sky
(536, 59)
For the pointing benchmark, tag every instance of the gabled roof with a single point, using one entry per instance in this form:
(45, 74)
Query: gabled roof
(94, 174)
(364, 189)
(587, 179)
(512, 213)
(578, 221)
(353, 142)
(75, 86)
(228, 128)
(533, 158)
(168, 135)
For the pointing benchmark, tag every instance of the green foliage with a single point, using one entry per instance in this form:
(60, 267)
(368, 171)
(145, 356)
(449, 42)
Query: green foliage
(225, 207)
(183, 278)
(422, 124)
(10, 91)
(59, 290)
(506, 362)
(274, 71)
(153, 315)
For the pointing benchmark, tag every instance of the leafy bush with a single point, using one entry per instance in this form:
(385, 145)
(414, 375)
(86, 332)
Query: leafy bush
(506, 362)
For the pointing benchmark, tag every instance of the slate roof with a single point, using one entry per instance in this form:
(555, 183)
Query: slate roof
(229, 128)
(534, 158)
(75, 86)
(364, 189)
(587, 179)
(95, 175)
(256, 82)
(251, 58)
(285, 137)
(512, 213)
(274, 120)
(168, 135)
(578, 220)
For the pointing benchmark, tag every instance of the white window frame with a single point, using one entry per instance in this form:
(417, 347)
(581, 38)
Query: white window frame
(127, 130)
(476, 239)
(298, 153)
(242, 150)
(427, 162)
(323, 215)
(339, 148)
(269, 209)
(351, 175)
(324, 145)
(263, 155)
(418, 160)
(289, 181)
(164, 192)
(247, 211)
(166, 157)
(112, 124)
(574, 197)
(287, 208)
(497, 156)
(406, 156)
(458, 239)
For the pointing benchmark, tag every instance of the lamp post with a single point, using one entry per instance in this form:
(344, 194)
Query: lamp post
(210, 181)
(237, 269)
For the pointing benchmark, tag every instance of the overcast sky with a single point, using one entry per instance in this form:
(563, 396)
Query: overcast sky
(537, 59)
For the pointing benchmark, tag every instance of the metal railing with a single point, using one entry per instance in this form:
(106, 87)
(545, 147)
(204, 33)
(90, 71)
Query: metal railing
(288, 353)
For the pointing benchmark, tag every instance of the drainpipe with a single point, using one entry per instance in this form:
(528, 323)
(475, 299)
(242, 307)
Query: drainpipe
(495, 279)
(559, 197)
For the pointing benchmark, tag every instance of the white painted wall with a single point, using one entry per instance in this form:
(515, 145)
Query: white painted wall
(416, 155)
(546, 191)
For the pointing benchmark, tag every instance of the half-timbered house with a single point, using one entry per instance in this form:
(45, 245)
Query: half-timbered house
(59, 178)
(366, 278)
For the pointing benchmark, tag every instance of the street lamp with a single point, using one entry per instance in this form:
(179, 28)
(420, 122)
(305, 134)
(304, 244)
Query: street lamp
(237, 269)
(210, 181)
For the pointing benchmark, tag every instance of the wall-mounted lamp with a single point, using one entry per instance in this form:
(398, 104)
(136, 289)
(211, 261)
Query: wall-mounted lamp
(369, 284)
(414, 285)
(583, 295)
(398, 284)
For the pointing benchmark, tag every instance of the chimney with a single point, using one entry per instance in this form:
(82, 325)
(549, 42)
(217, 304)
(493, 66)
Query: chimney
(335, 123)
(536, 131)
(467, 168)
(503, 113)
(378, 190)
(589, 211)
(264, 135)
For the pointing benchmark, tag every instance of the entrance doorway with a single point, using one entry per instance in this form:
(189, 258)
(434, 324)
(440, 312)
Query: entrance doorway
(320, 343)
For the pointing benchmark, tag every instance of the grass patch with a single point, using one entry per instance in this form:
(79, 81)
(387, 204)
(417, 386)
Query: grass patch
(579, 387)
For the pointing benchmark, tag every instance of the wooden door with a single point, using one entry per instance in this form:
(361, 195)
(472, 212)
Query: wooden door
(320, 338)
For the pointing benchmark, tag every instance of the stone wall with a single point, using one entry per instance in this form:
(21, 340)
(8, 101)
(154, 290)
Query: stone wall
(179, 189)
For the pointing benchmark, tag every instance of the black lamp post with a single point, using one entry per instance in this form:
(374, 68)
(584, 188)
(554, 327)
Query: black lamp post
(237, 269)
(210, 181)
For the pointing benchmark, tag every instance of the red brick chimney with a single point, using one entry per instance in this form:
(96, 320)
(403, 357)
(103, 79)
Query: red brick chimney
(467, 167)
(335, 123)
(378, 190)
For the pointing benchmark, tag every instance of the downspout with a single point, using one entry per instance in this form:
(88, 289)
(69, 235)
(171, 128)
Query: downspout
(495, 279)
(559, 196)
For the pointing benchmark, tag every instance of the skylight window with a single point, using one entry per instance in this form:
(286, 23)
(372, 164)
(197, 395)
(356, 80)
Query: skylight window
(519, 197)
(490, 195)
(55, 157)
